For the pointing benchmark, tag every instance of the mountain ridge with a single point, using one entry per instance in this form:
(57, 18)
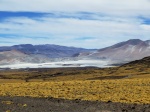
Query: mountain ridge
(49, 50)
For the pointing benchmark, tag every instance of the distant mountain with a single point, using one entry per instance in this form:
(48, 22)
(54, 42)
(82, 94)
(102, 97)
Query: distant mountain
(27, 53)
(51, 51)
(130, 50)
(125, 51)
(14, 57)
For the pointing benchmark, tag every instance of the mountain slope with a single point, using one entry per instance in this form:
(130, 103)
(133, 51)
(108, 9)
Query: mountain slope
(145, 62)
(125, 51)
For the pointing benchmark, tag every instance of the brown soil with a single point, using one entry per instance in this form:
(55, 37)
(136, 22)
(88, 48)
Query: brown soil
(27, 104)
(108, 77)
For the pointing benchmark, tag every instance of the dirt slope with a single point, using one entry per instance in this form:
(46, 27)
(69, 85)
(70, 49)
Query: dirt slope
(26, 104)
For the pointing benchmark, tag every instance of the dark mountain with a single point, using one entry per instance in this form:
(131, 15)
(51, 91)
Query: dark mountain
(125, 51)
(142, 62)
(51, 51)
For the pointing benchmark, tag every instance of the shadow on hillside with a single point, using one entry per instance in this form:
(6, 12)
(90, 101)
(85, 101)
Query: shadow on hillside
(108, 77)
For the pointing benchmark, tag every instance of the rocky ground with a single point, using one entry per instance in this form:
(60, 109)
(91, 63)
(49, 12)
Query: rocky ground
(26, 104)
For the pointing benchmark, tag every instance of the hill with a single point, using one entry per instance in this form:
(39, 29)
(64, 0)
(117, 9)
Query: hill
(145, 62)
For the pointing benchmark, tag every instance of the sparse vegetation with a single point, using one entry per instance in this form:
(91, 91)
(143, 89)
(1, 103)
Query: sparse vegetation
(126, 90)
(129, 83)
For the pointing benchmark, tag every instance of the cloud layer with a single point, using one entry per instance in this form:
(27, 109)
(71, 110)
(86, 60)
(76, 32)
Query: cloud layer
(80, 23)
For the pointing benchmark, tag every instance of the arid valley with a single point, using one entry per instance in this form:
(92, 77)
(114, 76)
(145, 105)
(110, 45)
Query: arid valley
(90, 89)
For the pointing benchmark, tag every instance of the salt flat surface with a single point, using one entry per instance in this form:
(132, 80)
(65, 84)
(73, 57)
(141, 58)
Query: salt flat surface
(78, 63)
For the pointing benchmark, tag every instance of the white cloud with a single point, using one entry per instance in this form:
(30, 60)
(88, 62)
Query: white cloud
(65, 31)
(124, 7)
(112, 21)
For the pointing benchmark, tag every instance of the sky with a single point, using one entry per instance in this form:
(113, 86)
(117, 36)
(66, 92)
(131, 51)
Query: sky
(78, 23)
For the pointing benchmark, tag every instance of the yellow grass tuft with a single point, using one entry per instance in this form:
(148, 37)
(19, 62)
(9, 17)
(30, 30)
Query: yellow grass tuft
(123, 90)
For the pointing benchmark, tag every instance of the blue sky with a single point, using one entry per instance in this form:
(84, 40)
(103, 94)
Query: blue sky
(79, 23)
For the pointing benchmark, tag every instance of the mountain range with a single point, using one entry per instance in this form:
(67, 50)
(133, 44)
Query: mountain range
(51, 51)
(27, 53)
(126, 51)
